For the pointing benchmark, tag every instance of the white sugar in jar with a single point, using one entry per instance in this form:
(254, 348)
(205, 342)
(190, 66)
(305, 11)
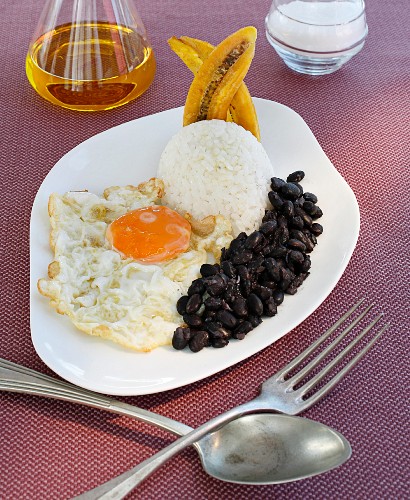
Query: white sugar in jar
(316, 36)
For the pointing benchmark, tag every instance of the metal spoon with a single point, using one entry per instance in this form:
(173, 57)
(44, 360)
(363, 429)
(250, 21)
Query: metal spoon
(255, 449)
(265, 448)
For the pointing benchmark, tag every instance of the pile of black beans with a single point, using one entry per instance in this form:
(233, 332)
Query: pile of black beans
(254, 273)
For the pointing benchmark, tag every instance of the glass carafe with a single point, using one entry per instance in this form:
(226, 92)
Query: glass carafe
(90, 55)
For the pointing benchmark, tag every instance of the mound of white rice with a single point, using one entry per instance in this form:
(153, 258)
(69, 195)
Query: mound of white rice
(215, 167)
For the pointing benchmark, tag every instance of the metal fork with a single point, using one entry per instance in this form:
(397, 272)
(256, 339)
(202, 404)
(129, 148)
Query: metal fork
(278, 394)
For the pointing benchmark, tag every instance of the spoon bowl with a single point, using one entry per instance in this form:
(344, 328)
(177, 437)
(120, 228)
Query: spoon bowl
(277, 449)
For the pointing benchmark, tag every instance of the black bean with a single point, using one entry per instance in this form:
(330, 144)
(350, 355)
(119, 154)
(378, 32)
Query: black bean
(275, 199)
(181, 338)
(279, 251)
(295, 284)
(286, 278)
(215, 285)
(291, 289)
(281, 262)
(223, 333)
(297, 234)
(306, 264)
(296, 244)
(181, 304)
(290, 265)
(267, 228)
(227, 319)
(235, 246)
(269, 284)
(278, 296)
(241, 330)
(296, 257)
(316, 229)
(219, 337)
(276, 183)
(246, 287)
(312, 238)
(212, 327)
(310, 197)
(282, 221)
(242, 257)
(208, 270)
(283, 235)
(243, 272)
(296, 176)
(297, 222)
(225, 306)
(307, 219)
(270, 308)
(318, 213)
(219, 342)
(288, 209)
(309, 207)
(192, 320)
(208, 316)
(194, 303)
(213, 303)
(239, 306)
(199, 340)
(228, 268)
(299, 187)
(289, 191)
(272, 268)
(267, 249)
(309, 246)
(253, 240)
(269, 215)
(256, 266)
(225, 278)
(263, 292)
(197, 286)
(255, 304)
(254, 320)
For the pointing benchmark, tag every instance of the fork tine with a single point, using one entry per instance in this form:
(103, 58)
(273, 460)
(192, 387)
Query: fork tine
(335, 361)
(338, 377)
(303, 355)
(309, 367)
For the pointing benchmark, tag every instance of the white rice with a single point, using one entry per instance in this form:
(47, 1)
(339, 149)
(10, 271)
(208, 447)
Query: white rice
(215, 167)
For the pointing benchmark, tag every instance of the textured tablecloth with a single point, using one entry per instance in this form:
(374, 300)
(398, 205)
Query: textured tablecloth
(361, 117)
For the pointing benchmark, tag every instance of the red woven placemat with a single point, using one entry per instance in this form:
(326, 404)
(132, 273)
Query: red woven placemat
(361, 117)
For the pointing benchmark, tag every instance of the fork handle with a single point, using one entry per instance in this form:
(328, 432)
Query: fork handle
(42, 385)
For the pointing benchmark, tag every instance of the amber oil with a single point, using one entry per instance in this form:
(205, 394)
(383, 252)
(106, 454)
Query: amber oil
(90, 66)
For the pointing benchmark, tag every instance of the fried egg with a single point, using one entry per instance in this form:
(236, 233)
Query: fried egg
(122, 260)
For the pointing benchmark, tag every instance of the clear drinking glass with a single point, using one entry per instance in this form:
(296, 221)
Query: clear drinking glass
(316, 37)
(90, 55)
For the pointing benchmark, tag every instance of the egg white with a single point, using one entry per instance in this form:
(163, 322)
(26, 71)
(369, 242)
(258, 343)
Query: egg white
(128, 302)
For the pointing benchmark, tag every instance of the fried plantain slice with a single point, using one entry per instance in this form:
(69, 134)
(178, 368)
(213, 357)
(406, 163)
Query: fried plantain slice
(218, 80)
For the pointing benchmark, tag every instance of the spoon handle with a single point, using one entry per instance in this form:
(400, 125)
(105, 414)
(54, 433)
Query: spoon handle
(120, 486)
(17, 378)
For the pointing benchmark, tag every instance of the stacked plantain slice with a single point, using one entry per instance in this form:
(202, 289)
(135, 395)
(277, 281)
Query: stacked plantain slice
(217, 90)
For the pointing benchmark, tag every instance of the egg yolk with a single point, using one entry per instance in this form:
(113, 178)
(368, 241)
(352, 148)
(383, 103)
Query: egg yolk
(150, 234)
